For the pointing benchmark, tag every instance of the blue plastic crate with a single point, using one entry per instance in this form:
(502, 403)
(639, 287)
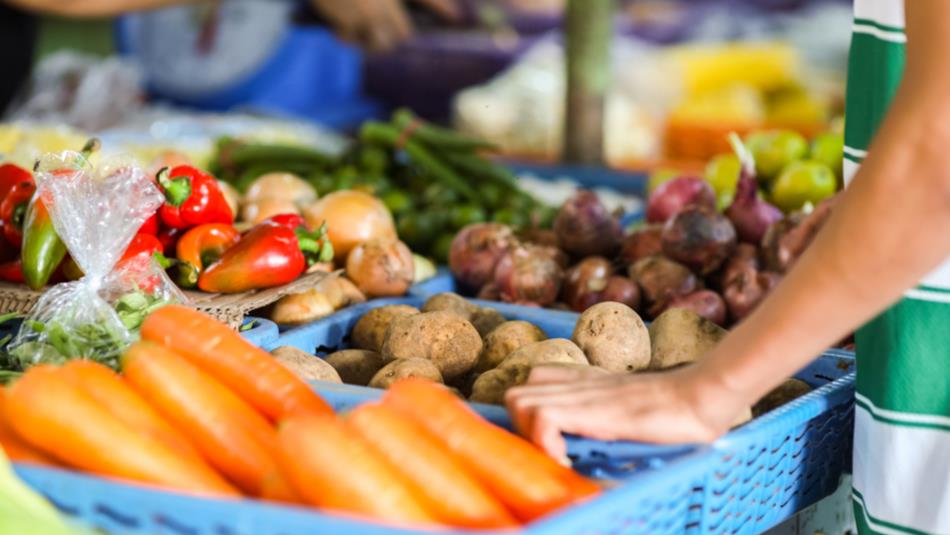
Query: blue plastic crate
(763, 472)
(259, 331)
(652, 498)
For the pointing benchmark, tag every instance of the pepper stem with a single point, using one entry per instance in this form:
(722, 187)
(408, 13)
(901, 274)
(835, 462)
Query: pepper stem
(177, 189)
(315, 246)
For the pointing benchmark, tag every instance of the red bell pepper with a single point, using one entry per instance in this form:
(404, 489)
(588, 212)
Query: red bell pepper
(269, 255)
(192, 198)
(150, 226)
(169, 239)
(291, 221)
(11, 175)
(200, 247)
(137, 260)
(12, 271)
(13, 211)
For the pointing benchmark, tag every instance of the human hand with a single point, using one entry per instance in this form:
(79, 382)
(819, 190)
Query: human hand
(379, 24)
(679, 406)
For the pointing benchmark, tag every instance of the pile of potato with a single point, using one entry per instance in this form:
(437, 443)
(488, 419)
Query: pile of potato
(481, 354)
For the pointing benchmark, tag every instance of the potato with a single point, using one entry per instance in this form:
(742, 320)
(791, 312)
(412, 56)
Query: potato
(305, 365)
(450, 302)
(505, 339)
(490, 387)
(403, 369)
(485, 320)
(370, 330)
(613, 337)
(443, 337)
(680, 336)
(782, 394)
(340, 291)
(300, 308)
(550, 351)
(355, 366)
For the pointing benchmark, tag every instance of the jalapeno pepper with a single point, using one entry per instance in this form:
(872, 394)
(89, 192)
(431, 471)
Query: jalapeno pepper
(270, 254)
(13, 211)
(42, 250)
(192, 198)
(200, 247)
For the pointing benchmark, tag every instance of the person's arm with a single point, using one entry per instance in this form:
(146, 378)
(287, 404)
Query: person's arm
(89, 8)
(889, 229)
(379, 24)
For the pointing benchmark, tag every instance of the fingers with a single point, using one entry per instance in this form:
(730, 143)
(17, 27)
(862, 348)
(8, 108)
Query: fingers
(561, 374)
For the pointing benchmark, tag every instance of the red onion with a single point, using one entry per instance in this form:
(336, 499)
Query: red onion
(699, 237)
(585, 282)
(661, 280)
(622, 290)
(747, 291)
(787, 239)
(706, 303)
(643, 242)
(750, 214)
(475, 252)
(671, 197)
(744, 259)
(528, 275)
(584, 227)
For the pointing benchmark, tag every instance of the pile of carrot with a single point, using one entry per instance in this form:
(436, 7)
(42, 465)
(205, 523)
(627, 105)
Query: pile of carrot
(197, 409)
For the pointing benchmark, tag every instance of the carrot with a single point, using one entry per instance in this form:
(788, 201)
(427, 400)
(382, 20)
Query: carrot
(16, 449)
(276, 488)
(453, 494)
(528, 482)
(234, 437)
(331, 467)
(50, 413)
(116, 396)
(249, 371)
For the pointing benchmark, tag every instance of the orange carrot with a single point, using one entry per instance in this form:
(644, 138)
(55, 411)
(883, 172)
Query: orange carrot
(276, 488)
(331, 467)
(453, 494)
(15, 448)
(116, 396)
(55, 416)
(530, 483)
(235, 438)
(246, 369)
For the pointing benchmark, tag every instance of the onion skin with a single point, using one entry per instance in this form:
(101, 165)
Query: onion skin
(528, 275)
(540, 236)
(662, 280)
(750, 215)
(585, 227)
(745, 259)
(475, 252)
(381, 267)
(747, 291)
(671, 197)
(352, 217)
(585, 283)
(786, 240)
(622, 290)
(706, 303)
(700, 238)
(641, 243)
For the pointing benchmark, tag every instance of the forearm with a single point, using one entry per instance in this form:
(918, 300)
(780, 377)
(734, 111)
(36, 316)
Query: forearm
(886, 233)
(89, 8)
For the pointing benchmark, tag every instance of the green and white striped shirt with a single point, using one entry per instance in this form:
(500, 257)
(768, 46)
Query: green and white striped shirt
(902, 413)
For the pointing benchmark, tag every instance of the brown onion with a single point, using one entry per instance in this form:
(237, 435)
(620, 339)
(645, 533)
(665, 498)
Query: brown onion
(381, 267)
(528, 275)
(352, 217)
(475, 252)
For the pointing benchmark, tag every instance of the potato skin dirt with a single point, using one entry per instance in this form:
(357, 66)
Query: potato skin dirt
(370, 331)
(446, 339)
(613, 336)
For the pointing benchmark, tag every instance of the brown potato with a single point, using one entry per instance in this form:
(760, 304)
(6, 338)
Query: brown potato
(680, 336)
(403, 369)
(506, 338)
(300, 308)
(356, 366)
(443, 337)
(490, 387)
(485, 320)
(613, 336)
(550, 351)
(370, 331)
(305, 365)
(450, 302)
(782, 394)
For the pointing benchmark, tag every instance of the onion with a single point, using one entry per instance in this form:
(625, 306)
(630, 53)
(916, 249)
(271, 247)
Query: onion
(528, 275)
(671, 197)
(475, 252)
(622, 290)
(706, 303)
(661, 280)
(787, 239)
(489, 292)
(699, 237)
(352, 217)
(745, 259)
(586, 282)
(256, 212)
(381, 267)
(747, 291)
(642, 243)
(231, 195)
(284, 186)
(585, 227)
(539, 236)
(750, 214)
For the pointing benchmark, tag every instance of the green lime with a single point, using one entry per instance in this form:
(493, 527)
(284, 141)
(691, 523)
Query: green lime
(441, 247)
(828, 149)
(464, 214)
(660, 176)
(397, 200)
(722, 173)
(510, 217)
(803, 182)
(774, 150)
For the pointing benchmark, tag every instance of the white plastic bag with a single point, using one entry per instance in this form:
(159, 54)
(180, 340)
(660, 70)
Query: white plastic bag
(96, 213)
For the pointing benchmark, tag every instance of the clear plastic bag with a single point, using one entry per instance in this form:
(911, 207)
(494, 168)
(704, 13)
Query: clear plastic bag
(96, 212)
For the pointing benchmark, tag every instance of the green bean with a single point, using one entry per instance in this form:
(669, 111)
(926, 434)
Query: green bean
(481, 168)
(437, 137)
